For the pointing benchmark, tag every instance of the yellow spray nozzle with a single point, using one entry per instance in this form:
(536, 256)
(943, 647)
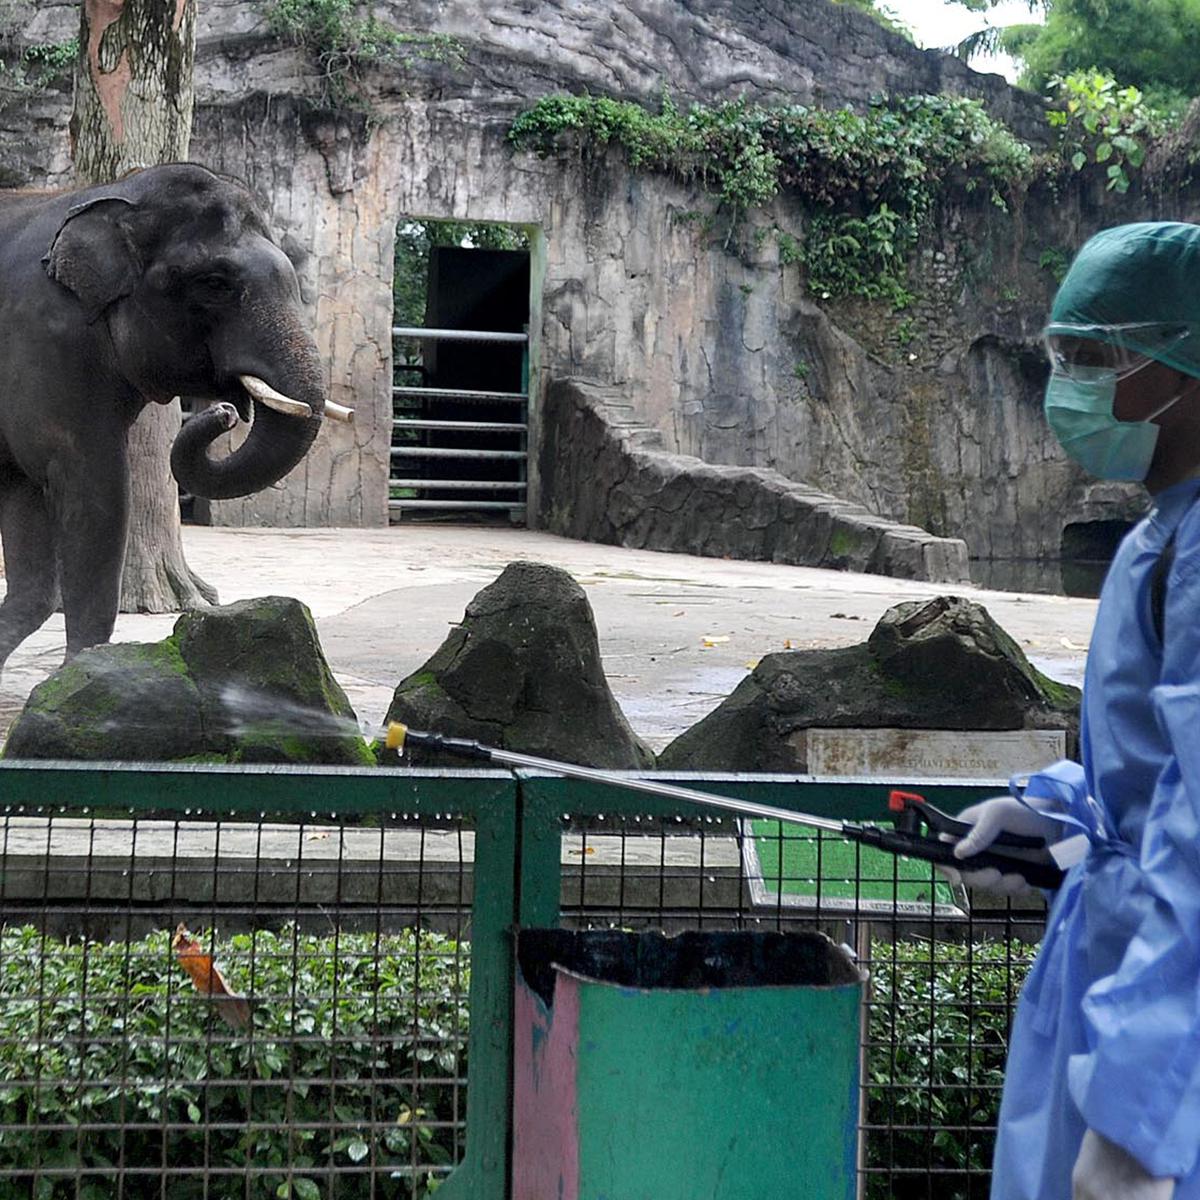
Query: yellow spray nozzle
(394, 739)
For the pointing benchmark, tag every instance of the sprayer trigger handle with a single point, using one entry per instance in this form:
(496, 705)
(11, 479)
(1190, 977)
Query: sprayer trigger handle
(913, 812)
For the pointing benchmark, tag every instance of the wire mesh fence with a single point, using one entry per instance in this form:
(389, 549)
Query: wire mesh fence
(277, 1005)
(231, 1008)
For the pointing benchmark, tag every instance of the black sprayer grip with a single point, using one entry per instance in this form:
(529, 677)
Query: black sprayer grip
(933, 849)
(462, 747)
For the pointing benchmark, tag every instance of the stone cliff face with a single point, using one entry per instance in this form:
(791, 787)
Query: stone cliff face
(638, 495)
(772, 51)
(928, 417)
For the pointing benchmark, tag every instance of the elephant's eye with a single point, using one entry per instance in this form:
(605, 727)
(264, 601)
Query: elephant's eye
(214, 286)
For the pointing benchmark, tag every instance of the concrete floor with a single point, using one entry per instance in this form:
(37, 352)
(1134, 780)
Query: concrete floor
(385, 598)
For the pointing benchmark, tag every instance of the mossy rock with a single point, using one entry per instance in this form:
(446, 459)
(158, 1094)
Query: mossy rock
(267, 691)
(522, 672)
(929, 664)
(953, 645)
(124, 702)
(247, 682)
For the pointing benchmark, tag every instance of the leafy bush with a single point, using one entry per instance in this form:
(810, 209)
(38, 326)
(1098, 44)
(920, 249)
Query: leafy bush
(114, 1033)
(26, 70)
(344, 44)
(349, 1035)
(1102, 122)
(938, 1040)
(1056, 261)
(869, 181)
(722, 146)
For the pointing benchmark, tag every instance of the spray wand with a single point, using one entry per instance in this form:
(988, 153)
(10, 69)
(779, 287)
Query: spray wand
(917, 826)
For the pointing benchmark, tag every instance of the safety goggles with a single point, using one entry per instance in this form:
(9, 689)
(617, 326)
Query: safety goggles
(1077, 351)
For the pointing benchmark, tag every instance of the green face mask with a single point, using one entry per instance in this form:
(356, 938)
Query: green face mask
(1080, 411)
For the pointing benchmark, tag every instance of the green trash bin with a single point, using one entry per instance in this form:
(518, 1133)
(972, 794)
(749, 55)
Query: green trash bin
(707, 1066)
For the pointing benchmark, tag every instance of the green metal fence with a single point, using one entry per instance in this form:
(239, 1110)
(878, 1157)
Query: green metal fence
(347, 909)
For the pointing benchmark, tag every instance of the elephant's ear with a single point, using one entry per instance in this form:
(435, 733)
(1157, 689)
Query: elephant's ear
(92, 254)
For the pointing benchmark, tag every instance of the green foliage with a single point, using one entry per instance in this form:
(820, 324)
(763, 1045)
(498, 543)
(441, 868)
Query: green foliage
(1056, 261)
(860, 256)
(790, 250)
(939, 1036)
(869, 181)
(1152, 44)
(1101, 122)
(26, 70)
(721, 145)
(52, 59)
(345, 44)
(114, 1032)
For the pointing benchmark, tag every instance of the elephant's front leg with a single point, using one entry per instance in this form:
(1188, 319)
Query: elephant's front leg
(30, 562)
(90, 501)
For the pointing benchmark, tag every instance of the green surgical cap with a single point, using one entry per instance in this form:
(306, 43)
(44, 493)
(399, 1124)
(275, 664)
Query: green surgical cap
(1147, 272)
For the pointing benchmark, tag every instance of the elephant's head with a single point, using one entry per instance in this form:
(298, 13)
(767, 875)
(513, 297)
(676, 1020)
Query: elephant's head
(199, 301)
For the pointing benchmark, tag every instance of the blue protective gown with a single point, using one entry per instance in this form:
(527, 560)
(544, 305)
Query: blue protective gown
(1107, 1032)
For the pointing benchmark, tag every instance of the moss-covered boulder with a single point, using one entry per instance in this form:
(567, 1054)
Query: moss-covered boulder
(268, 693)
(246, 682)
(119, 702)
(930, 664)
(523, 672)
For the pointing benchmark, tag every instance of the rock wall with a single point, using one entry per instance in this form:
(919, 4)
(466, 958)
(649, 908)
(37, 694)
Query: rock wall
(771, 51)
(635, 494)
(928, 417)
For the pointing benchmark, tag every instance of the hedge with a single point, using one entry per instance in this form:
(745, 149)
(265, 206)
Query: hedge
(79, 1017)
(939, 1024)
(348, 1031)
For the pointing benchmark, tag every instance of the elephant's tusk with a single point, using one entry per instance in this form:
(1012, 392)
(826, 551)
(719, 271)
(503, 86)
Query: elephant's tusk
(265, 394)
(339, 412)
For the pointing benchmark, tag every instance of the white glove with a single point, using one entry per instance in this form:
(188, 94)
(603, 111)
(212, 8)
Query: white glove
(1103, 1171)
(989, 819)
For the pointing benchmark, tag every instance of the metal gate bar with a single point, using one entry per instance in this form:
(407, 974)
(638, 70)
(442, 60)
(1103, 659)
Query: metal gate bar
(419, 434)
(457, 335)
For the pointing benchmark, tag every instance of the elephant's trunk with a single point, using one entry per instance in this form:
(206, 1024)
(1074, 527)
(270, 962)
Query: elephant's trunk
(277, 440)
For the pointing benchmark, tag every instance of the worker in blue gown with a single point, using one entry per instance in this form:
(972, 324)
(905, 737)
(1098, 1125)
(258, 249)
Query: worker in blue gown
(1102, 1091)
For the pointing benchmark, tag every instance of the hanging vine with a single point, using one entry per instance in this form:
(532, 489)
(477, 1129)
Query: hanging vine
(868, 181)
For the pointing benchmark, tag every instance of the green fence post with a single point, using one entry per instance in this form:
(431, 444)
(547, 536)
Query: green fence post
(483, 1173)
(539, 865)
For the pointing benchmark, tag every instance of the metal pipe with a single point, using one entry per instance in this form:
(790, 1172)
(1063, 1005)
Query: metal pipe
(398, 734)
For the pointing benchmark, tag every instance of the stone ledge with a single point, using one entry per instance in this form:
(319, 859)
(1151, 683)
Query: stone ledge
(648, 499)
(82, 873)
(106, 879)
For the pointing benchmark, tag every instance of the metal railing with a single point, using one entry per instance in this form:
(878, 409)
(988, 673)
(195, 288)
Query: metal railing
(357, 1041)
(448, 454)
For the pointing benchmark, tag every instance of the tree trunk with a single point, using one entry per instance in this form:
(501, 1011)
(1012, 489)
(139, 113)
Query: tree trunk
(133, 108)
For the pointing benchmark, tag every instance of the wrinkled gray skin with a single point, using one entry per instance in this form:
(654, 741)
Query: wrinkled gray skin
(166, 283)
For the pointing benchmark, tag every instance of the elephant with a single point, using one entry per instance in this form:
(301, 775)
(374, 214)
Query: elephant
(165, 283)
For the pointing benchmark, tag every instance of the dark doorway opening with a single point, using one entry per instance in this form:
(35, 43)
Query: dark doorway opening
(1087, 550)
(1093, 541)
(460, 404)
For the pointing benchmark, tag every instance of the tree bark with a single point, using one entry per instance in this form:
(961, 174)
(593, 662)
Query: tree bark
(133, 108)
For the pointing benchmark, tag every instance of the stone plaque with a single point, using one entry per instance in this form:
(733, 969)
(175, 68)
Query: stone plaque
(932, 753)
